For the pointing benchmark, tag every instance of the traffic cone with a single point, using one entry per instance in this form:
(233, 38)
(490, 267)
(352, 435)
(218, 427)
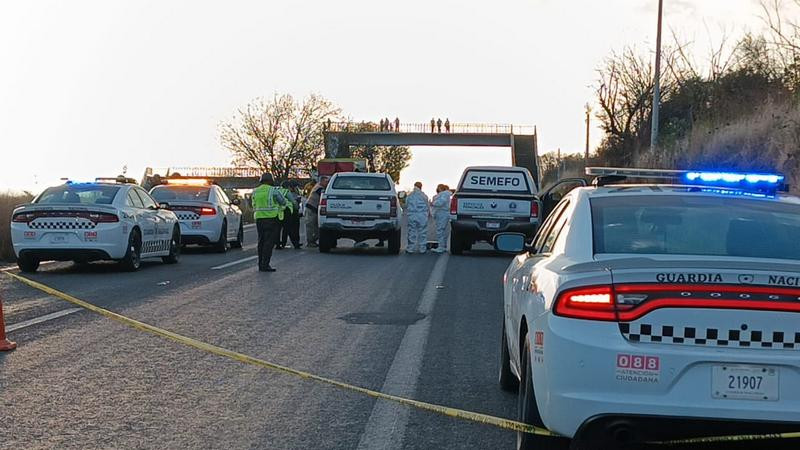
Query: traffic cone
(5, 344)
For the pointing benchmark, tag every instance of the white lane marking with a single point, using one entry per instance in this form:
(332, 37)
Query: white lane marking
(45, 318)
(386, 427)
(233, 263)
(249, 226)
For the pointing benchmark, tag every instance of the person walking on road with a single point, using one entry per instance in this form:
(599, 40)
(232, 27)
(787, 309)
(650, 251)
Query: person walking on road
(439, 125)
(268, 202)
(290, 226)
(441, 216)
(312, 210)
(447, 125)
(417, 206)
(433, 126)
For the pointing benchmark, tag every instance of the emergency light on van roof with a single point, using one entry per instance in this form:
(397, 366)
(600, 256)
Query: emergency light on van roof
(758, 182)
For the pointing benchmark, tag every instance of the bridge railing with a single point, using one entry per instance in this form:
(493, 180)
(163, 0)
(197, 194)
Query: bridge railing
(243, 172)
(463, 128)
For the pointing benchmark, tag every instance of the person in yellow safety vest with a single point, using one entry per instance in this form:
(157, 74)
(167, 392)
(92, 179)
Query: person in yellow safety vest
(290, 225)
(268, 205)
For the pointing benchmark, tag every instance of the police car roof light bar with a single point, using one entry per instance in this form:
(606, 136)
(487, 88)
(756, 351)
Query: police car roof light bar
(764, 183)
(188, 181)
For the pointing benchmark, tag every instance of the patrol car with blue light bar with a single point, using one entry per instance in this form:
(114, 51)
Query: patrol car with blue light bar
(659, 310)
(108, 219)
(207, 215)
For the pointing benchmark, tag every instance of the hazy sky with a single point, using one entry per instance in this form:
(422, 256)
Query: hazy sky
(87, 87)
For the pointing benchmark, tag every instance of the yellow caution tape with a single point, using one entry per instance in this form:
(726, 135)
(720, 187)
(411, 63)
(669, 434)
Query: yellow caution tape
(486, 419)
(451, 412)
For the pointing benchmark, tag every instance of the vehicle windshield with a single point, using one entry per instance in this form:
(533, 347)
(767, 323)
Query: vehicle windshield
(172, 193)
(93, 194)
(696, 225)
(362, 183)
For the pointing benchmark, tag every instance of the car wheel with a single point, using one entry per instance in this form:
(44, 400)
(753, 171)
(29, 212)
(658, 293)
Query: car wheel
(27, 264)
(222, 246)
(174, 248)
(456, 244)
(133, 256)
(327, 240)
(508, 381)
(394, 242)
(239, 242)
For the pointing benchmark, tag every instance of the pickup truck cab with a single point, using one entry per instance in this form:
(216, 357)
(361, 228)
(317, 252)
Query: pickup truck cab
(491, 200)
(359, 206)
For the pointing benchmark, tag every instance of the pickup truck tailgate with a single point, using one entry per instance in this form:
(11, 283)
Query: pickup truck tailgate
(358, 206)
(493, 207)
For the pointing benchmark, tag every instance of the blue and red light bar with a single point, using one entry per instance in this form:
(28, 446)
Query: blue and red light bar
(764, 183)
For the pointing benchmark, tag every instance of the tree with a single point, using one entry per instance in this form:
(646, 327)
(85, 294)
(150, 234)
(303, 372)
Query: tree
(281, 135)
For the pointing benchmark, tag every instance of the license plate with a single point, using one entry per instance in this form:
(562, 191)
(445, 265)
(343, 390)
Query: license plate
(493, 225)
(745, 382)
(58, 239)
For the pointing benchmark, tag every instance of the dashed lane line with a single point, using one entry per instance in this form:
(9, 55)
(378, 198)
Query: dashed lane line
(234, 263)
(40, 319)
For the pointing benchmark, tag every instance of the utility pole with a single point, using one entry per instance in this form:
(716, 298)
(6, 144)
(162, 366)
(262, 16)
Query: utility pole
(588, 122)
(657, 83)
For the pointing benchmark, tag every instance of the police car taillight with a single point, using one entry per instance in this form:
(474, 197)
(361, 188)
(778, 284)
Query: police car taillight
(23, 217)
(103, 218)
(590, 303)
(323, 206)
(453, 206)
(393, 207)
(208, 211)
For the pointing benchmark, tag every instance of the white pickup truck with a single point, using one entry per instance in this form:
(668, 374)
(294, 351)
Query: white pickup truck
(491, 200)
(359, 206)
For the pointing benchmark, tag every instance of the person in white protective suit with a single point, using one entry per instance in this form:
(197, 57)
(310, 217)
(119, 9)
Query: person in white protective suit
(440, 204)
(417, 207)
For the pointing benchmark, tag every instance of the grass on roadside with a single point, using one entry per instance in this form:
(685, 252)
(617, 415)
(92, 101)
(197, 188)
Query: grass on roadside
(8, 201)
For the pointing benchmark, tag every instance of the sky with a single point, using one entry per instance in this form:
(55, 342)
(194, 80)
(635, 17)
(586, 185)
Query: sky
(89, 87)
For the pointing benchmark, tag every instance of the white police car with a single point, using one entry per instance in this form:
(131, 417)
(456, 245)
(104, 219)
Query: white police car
(109, 219)
(657, 311)
(206, 214)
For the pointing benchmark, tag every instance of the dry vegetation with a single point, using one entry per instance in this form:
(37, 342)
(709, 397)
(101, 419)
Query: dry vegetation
(8, 201)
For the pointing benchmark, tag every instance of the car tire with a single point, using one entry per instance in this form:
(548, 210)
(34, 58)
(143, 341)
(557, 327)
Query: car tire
(174, 248)
(394, 242)
(528, 411)
(327, 241)
(222, 246)
(239, 242)
(27, 264)
(133, 255)
(508, 381)
(456, 244)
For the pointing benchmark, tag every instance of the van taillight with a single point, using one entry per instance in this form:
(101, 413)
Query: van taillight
(323, 206)
(591, 303)
(453, 206)
(393, 207)
(534, 208)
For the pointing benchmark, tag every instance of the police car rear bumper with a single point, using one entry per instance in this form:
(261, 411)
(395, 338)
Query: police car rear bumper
(205, 233)
(578, 366)
(65, 254)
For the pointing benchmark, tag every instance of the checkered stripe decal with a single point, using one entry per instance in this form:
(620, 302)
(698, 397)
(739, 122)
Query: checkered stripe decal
(667, 334)
(61, 225)
(155, 246)
(187, 216)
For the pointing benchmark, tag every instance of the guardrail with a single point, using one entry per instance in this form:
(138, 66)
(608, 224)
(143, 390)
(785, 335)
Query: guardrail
(462, 128)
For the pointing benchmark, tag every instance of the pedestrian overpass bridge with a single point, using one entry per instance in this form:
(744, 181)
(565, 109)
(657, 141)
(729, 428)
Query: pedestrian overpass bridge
(522, 141)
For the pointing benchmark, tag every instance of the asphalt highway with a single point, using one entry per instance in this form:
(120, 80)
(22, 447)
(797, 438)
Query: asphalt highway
(425, 327)
(422, 326)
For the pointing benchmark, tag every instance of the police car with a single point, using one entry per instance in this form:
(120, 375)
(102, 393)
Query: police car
(207, 216)
(109, 219)
(644, 312)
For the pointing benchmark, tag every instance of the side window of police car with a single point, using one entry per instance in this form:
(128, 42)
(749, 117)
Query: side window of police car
(134, 201)
(147, 201)
(545, 240)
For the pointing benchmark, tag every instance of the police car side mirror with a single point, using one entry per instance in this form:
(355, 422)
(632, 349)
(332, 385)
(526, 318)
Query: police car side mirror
(510, 243)
(236, 201)
(401, 195)
(163, 205)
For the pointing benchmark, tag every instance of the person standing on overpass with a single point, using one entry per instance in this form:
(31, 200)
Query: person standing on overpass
(447, 125)
(396, 124)
(439, 125)
(441, 216)
(268, 203)
(418, 210)
(433, 126)
(312, 210)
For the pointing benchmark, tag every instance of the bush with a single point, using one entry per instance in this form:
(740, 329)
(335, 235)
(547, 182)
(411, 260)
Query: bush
(8, 201)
